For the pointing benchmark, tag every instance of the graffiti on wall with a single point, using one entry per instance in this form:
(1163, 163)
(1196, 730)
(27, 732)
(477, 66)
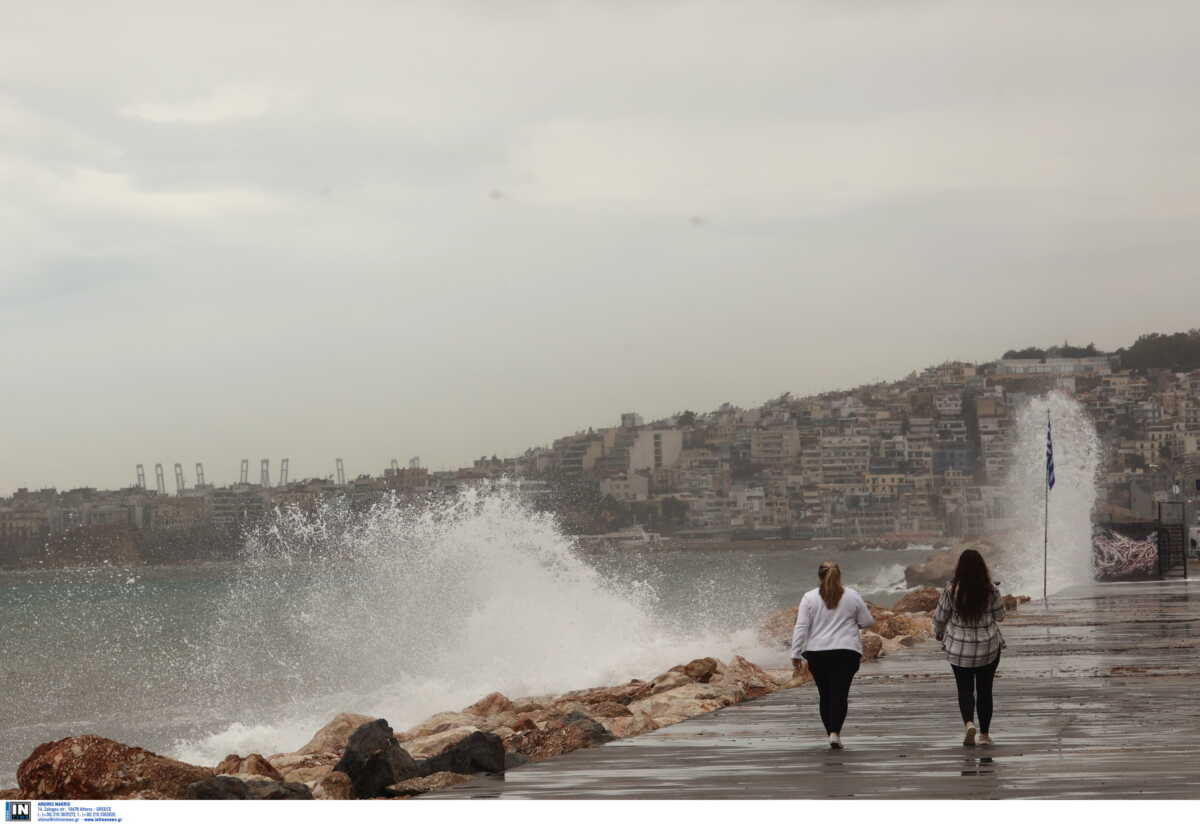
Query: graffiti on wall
(1121, 555)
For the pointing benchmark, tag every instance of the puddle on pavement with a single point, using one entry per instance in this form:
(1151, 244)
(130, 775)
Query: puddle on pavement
(979, 766)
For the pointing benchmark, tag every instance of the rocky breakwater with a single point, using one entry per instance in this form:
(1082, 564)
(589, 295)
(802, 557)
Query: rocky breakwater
(358, 756)
(908, 622)
(902, 626)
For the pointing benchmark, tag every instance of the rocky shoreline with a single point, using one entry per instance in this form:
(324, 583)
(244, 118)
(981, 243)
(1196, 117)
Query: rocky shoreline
(358, 756)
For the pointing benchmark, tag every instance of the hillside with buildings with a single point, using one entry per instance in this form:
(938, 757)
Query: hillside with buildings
(921, 458)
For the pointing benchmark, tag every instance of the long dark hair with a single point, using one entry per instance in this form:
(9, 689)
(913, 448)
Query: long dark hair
(972, 586)
(831, 583)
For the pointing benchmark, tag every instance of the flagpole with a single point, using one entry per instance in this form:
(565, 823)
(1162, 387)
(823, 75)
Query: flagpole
(1046, 523)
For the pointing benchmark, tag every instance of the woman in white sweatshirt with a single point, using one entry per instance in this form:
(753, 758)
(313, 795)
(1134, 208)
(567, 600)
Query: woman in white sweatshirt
(827, 637)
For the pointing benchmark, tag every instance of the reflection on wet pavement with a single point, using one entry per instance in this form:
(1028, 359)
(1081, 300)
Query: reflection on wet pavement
(1096, 698)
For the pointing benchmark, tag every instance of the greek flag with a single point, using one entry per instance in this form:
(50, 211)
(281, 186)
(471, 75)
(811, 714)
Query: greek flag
(1049, 458)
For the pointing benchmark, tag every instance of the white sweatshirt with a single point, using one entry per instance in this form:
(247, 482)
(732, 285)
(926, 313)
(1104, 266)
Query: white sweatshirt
(820, 628)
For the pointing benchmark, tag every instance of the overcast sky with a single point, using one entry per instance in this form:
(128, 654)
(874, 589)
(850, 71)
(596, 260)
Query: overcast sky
(373, 230)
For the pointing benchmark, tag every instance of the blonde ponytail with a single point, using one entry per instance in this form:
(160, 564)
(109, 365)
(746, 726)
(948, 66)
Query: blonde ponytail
(831, 584)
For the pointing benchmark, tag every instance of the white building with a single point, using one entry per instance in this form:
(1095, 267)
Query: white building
(656, 449)
(1060, 367)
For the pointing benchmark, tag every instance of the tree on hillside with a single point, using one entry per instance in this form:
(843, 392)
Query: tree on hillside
(1064, 351)
(1029, 353)
(1179, 352)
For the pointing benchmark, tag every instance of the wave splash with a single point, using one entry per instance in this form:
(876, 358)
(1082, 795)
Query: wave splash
(889, 579)
(1077, 458)
(405, 609)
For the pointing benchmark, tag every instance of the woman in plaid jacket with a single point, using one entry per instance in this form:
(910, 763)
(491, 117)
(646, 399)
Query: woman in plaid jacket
(965, 621)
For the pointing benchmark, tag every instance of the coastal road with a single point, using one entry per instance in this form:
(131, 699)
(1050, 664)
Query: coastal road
(1097, 696)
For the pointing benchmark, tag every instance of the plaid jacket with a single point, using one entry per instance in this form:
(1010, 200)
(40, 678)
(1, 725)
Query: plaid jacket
(974, 644)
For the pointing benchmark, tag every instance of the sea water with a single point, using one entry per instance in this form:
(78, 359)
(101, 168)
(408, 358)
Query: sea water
(398, 611)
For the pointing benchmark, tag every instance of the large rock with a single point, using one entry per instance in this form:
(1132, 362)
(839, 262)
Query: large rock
(333, 736)
(877, 612)
(630, 725)
(1011, 602)
(702, 670)
(231, 788)
(935, 571)
(905, 623)
(252, 764)
(493, 723)
(475, 753)
(441, 722)
(924, 599)
(532, 703)
(574, 731)
(753, 679)
(525, 723)
(938, 568)
(669, 680)
(597, 733)
(302, 767)
(687, 701)
(433, 744)
(334, 786)
(218, 788)
(278, 791)
(490, 704)
(374, 760)
(538, 745)
(91, 767)
(622, 694)
(872, 645)
(428, 783)
(609, 709)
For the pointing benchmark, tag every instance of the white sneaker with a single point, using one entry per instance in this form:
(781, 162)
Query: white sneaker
(969, 736)
(835, 741)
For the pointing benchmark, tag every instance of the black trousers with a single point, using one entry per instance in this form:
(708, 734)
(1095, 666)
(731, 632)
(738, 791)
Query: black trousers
(833, 670)
(975, 689)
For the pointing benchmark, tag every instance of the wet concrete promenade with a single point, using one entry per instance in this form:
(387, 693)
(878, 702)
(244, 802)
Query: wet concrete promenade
(1098, 697)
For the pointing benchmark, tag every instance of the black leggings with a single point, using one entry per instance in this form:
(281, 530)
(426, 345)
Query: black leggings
(833, 670)
(975, 685)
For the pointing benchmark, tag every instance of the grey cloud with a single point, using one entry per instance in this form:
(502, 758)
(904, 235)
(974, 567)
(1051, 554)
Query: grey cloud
(271, 228)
